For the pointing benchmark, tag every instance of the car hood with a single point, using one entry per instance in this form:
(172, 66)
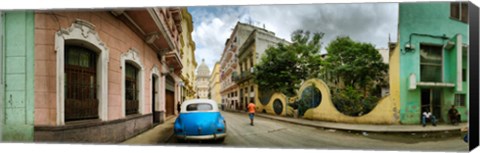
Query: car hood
(199, 123)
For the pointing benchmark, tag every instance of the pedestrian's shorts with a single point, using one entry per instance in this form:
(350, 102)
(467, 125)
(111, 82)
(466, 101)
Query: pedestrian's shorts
(251, 115)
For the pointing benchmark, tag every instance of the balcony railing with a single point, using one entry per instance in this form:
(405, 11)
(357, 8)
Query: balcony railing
(244, 76)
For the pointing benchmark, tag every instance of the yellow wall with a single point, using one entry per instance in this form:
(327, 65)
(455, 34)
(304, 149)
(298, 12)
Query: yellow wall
(215, 84)
(188, 53)
(269, 107)
(386, 112)
(383, 113)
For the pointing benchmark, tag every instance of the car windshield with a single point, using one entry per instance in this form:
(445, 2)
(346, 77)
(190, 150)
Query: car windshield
(199, 107)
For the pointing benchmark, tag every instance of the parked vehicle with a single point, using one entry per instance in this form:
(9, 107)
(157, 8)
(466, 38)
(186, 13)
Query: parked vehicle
(200, 119)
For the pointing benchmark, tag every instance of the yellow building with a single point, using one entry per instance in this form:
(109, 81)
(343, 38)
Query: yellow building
(187, 53)
(214, 84)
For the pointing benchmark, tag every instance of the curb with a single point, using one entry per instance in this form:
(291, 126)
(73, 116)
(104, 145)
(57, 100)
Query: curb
(359, 130)
(374, 130)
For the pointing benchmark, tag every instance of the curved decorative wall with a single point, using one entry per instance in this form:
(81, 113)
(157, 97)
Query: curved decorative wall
(276, 101)
(386, 111)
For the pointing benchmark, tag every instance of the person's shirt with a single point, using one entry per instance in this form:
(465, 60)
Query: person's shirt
(427, 114)
(452, 111)
(251, 108)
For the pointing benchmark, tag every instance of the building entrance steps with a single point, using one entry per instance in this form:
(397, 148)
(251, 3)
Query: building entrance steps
(366, 127)
(158, 134)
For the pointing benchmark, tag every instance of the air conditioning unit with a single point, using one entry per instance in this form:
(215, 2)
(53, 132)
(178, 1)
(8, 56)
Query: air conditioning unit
(449, 45)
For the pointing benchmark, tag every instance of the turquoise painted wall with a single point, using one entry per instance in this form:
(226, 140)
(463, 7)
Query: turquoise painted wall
(1, 78)
(18, 48)
(431, 18)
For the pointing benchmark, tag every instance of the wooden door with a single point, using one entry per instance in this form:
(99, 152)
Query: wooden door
(170, 102)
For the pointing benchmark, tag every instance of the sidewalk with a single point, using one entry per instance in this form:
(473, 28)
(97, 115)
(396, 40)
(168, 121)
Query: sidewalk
(365, 127)
(159, 134)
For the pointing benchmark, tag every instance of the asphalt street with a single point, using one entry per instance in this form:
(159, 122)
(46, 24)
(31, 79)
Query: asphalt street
(268, 133)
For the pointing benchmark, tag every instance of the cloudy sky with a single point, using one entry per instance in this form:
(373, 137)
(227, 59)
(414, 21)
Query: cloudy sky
(364, 22)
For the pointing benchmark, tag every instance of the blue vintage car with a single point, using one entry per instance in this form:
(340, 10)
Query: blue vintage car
(200, 119)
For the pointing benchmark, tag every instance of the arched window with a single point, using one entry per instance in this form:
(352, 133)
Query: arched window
(132, 83)
(131, 89)
(81, 101)
(81, 33)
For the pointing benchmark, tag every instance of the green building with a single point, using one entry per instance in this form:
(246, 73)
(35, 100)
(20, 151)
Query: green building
(433, 43)
(17, 76)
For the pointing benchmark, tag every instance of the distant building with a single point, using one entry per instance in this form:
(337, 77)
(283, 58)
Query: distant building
(384, 52)
(234, 64)
(249, 55)
(202, 81)
(229, 69)
(214, 84)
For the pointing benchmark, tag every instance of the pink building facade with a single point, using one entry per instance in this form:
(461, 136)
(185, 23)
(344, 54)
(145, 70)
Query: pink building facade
(105, 76)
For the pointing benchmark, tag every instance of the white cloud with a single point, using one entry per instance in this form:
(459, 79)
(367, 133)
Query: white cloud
(365, 22)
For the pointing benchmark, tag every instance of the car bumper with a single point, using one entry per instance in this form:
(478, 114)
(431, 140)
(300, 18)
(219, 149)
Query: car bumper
(202, 137)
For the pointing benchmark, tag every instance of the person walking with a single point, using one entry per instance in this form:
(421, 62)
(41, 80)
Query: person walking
(179, 107)
(251, 111)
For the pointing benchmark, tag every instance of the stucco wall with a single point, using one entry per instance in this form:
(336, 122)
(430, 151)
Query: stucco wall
(269, 107)
(383, 113)
(19, 53)
(433, 19)
(117, 37)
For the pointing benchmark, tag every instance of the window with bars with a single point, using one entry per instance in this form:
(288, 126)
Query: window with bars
(460, 99)
(81, 100)
(459, 11)
(131, 89)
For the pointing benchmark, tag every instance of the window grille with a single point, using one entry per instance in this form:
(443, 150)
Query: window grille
(81, 100)
(131, 89)
(459, 11)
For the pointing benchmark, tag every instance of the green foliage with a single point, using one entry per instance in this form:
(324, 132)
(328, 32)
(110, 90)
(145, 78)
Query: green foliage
(357, 64)
(361, 70)
(351, 102)
(283, 67)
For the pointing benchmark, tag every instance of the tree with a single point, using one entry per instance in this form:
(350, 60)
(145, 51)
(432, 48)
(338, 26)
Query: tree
(283, 67)
(359, 67)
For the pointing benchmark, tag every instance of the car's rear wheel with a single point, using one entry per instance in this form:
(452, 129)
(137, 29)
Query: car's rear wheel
(221, 140)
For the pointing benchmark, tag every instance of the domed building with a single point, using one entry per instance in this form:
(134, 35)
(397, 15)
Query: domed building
(202, 81)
